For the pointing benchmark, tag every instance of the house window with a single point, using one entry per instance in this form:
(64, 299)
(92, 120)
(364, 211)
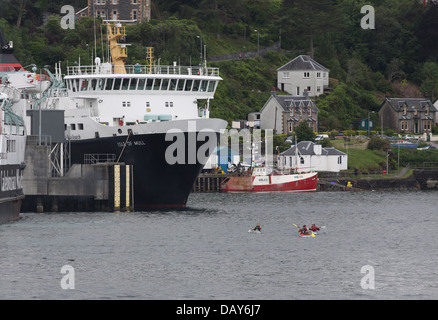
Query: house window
(306, 74)
(298, 91)
(286, 75)
(134, 14)
(340, 160)
(405, 110)
(404, 125)
(100, 13)
(318, 74)
(318, 89)
(100, 2)
(80, 126)
(309, 89)
(115, 1)
(72, 126)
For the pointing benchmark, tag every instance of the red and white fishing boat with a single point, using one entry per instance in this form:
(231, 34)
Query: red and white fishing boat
(262, 181)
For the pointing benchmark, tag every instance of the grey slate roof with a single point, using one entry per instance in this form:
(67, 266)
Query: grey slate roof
(286, 102)
(302, 62)
(305, 148)
(419, 104)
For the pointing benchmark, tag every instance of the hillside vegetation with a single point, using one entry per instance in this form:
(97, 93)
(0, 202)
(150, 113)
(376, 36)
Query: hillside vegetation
(399, 57)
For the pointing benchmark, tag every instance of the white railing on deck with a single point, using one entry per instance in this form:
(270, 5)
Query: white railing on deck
(142, 69)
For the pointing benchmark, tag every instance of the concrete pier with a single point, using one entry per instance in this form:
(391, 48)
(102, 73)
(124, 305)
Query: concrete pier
(85, 187)
(208, 182)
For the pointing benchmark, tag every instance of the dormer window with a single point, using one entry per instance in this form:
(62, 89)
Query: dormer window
(405, 110)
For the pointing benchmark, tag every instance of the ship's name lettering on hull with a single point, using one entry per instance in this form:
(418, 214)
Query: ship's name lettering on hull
(131, 143)
(11, 180)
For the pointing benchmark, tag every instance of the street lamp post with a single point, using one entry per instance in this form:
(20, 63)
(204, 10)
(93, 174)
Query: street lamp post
(200, 53)
(368, 124)
(258, 42)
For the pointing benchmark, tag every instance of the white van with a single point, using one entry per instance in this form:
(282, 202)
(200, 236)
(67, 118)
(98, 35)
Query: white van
(321, 136)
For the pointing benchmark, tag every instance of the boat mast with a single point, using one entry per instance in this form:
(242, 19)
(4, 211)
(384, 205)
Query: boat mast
(118, 52)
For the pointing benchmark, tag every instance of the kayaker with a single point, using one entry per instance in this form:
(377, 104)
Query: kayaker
(257, 227)
(313, 227)
(304, 230)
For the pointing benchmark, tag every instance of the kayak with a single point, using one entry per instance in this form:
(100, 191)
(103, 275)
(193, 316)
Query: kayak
(306, 235)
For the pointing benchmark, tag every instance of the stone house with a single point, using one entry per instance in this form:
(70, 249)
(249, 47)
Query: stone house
(135, 11)
(415, 115)
(284, 113)
(303, 73)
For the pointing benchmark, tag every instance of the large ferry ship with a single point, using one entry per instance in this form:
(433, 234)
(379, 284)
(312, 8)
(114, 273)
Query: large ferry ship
(12, 137)
(147, 116)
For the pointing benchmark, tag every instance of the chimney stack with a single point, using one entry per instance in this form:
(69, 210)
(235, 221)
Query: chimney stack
(306, 94)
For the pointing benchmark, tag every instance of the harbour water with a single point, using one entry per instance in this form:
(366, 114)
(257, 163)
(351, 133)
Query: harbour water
(375, 245)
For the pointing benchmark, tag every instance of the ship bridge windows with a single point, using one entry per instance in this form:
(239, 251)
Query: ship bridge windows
(188, 86)
(149, 84)
(109, 84)
(172, 84)
(211, 86)
(157, 84)
(125, 84)
(141, 83)
(93, 84)
(196, 84)
(133, 84)
(204, 84)
(84, 84)
(165, 84)
(181, 83)
(117, 84)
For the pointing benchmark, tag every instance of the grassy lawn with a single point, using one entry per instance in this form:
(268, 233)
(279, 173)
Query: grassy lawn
(364, 160)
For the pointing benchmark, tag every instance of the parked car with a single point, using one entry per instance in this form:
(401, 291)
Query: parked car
(321, 136)
(409, 137)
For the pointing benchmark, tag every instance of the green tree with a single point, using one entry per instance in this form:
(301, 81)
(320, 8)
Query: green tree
(311, 18)
(304, 132)
(430, 79)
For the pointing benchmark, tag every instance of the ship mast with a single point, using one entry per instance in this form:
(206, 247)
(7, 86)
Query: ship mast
(118, 51)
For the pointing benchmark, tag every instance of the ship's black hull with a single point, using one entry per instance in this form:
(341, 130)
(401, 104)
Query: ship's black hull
(157, 183)
(11, 192)
(10, 210)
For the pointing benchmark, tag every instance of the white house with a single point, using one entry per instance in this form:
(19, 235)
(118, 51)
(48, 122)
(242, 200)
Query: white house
(303, 73)
(436, 107)
(313, 157)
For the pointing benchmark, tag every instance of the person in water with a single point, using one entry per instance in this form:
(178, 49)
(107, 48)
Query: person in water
(304, 230)
(313, 227)
(257, 227)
